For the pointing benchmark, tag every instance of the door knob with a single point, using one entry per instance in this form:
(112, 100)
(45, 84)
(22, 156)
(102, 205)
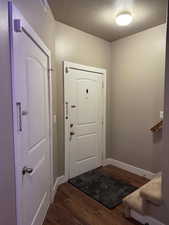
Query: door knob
(27, 170)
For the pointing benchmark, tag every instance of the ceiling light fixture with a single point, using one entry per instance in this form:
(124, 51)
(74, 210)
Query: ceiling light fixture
(124, 19)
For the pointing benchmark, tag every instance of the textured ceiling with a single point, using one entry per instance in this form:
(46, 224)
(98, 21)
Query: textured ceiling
(97, 17)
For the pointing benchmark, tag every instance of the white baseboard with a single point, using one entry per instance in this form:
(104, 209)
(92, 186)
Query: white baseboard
(130, 168)
(60, 180)
(145, 219)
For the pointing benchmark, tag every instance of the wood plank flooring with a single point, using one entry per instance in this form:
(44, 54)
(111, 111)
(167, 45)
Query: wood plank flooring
(73, 207)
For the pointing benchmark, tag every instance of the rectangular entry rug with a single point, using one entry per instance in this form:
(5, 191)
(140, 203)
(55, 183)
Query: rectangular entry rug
(104, 189)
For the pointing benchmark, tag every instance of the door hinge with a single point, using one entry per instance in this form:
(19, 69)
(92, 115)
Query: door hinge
(67, 110)
(66, 69)
(17, 25)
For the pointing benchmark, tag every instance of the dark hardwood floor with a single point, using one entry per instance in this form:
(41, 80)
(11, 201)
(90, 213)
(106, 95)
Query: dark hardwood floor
(72, 207)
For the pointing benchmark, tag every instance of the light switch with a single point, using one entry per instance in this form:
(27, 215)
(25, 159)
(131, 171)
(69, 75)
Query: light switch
(161, 115)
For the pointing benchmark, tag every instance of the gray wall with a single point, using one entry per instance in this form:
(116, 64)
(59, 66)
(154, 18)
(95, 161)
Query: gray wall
(7, 182)
(138, 64)
(79, 47)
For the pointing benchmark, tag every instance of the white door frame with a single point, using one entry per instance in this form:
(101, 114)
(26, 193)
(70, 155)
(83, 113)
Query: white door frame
(17, 23)
(94, 70)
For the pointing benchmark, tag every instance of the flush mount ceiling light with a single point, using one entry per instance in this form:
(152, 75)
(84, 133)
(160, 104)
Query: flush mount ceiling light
(124, 19)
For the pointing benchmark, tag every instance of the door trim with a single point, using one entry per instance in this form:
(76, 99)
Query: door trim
(25, 27)
(94, 70)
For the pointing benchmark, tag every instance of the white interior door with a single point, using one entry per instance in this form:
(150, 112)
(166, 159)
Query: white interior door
(85, 120)
(32, 128)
